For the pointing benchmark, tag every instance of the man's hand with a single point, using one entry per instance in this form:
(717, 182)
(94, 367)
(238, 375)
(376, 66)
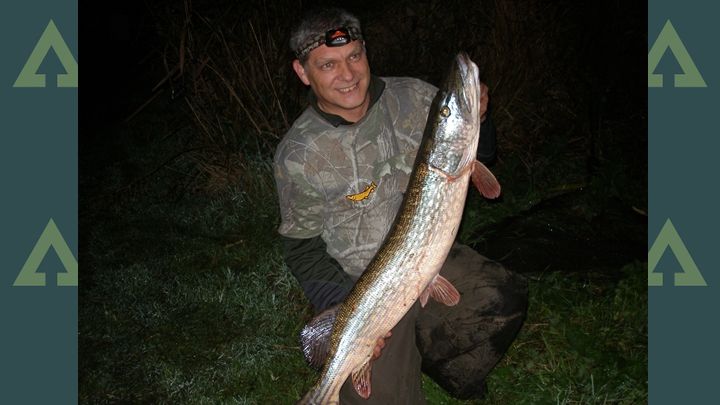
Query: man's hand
(380, 344)
(484, 99)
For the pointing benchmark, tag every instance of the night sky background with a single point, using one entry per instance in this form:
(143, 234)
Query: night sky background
(600, 44)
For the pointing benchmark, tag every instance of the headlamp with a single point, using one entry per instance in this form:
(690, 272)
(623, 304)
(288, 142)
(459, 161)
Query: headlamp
(335, 37)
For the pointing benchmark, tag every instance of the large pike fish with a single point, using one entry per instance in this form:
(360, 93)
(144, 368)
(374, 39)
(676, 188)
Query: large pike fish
(406, 266)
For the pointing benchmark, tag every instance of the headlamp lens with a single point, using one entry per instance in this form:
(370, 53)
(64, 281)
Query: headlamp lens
(337, 37)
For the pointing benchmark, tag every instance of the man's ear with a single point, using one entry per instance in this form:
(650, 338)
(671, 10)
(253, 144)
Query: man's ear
(300, 72)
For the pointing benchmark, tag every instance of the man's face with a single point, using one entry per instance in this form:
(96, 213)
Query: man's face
(340, 77)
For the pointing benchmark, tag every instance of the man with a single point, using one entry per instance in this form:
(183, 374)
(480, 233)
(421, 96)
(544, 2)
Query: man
(341, 172)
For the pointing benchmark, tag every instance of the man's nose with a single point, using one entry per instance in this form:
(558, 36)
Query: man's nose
(346, 72)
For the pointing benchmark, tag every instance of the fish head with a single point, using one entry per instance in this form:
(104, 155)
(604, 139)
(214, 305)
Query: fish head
(454, 119)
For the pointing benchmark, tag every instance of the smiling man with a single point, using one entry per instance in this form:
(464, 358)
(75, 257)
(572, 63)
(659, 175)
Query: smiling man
(341, 171)
(339, 77)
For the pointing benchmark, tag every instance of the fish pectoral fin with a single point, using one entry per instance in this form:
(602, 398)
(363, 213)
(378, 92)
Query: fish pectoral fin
(484, 180)
(315, 337)
(361, 380)
(442, 291)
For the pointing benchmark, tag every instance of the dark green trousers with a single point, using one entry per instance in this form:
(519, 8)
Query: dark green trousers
(456, 346)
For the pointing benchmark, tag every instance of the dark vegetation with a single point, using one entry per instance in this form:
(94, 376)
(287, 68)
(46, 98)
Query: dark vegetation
(184, 297)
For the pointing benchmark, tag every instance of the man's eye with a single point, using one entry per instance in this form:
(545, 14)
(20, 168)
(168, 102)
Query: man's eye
(354, 56)
(326, 66)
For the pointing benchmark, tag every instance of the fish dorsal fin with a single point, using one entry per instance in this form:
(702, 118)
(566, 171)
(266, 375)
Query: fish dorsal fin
(315, 337)
(484, 180)
(442, 291)
(361, 379)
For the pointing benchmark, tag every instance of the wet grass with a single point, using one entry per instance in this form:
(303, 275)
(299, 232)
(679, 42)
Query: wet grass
(189, 302)
(584, 342)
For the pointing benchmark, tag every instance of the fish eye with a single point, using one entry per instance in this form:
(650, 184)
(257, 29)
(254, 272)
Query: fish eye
(445, 111)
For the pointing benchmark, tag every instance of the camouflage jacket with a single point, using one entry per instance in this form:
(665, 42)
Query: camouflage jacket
(346, 183)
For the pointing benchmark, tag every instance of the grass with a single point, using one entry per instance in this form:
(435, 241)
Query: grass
(189, 302)
(191, 305)
(584, 342)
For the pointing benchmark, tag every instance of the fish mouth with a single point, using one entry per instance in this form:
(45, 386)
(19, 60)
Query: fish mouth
(468, 82)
